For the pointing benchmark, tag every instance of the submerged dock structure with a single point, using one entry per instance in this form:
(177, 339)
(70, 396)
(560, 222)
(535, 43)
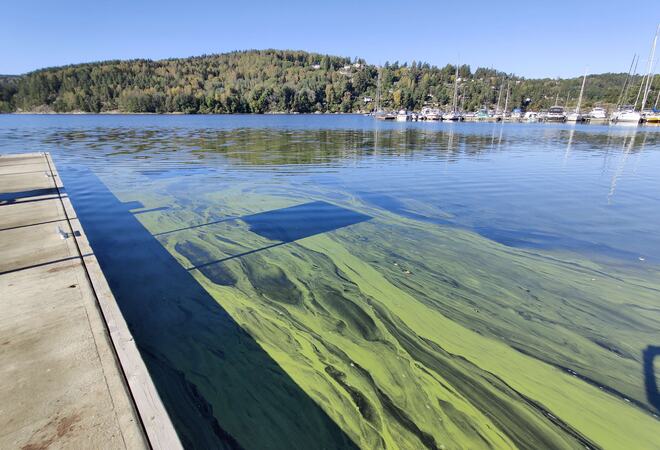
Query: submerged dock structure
(71, 375)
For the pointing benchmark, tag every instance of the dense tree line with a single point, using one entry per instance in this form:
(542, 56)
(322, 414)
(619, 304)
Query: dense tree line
(8, 89)
(283, 81)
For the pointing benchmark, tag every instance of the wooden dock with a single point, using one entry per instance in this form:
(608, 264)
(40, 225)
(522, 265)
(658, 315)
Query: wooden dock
(70, 373)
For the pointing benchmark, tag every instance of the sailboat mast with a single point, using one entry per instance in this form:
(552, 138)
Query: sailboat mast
(651, 88)
(584, 80)
(625, 83)
(632, 78)
(456, 88)
(639, 92)
(378, 91)
(650, 67)
(506, 102)
(499, 98)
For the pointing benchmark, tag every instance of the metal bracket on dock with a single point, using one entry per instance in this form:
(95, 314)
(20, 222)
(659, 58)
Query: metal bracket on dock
(49, 175)
(64, 235)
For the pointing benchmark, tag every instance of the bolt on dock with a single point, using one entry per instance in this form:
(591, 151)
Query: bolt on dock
(71, 375)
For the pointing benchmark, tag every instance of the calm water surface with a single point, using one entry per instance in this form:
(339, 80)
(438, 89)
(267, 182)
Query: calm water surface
(334, 282)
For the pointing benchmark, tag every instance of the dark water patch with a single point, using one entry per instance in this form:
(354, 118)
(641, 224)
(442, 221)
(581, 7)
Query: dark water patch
(537, 240)
(612, 348)
(405, 421)
(463, 421)
(393, 205)
(270, 281)
(150, 210)
(205, 416)
(650, 380)
(347, 312)
(301, 221)
(517, 238)
(361, 402)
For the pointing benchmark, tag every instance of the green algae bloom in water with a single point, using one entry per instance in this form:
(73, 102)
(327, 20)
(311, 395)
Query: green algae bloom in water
(331, 282)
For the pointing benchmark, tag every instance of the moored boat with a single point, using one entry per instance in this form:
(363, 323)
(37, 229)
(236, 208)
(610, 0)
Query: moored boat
(653, 118)
(453, 116)
(431, 114)
(556, 114)
(382, 115)
(403, 116)
(576, 116)
(482, 115)
(531, 117)
(626, 114)
(597, 114)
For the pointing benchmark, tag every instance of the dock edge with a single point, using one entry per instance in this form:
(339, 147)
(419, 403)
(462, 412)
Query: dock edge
(155, 420)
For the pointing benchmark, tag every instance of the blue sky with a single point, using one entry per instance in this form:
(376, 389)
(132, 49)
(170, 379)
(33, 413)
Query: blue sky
(529, 38)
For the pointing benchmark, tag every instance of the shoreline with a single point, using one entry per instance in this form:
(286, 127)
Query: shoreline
(122, 113)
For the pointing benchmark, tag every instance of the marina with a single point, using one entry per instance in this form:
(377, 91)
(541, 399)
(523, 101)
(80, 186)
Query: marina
(622, 112)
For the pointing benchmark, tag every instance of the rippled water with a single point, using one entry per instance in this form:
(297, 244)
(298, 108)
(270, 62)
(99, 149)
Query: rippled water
(331, 281)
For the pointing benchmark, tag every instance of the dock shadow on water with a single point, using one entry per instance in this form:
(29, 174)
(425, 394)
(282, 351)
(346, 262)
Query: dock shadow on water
(221, 389)
(286, 225)
(301, 221)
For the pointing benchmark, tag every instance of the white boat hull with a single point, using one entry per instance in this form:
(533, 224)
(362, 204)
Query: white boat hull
(574, 117)
(627, 117)
(597, 114)
(451, 117)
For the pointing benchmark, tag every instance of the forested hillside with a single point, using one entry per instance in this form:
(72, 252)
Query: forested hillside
(282, 81)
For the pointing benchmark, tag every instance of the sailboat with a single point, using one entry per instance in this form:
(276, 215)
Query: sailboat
(378, 112)
(576, 116)
(498, 113)
(454, 115)
(620, 109)
(626, 114)
(506, 102)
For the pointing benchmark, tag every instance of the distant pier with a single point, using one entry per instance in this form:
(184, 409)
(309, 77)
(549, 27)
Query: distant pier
(70, 373)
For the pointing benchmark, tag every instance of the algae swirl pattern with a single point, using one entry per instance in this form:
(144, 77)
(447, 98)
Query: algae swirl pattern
(410, 334)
